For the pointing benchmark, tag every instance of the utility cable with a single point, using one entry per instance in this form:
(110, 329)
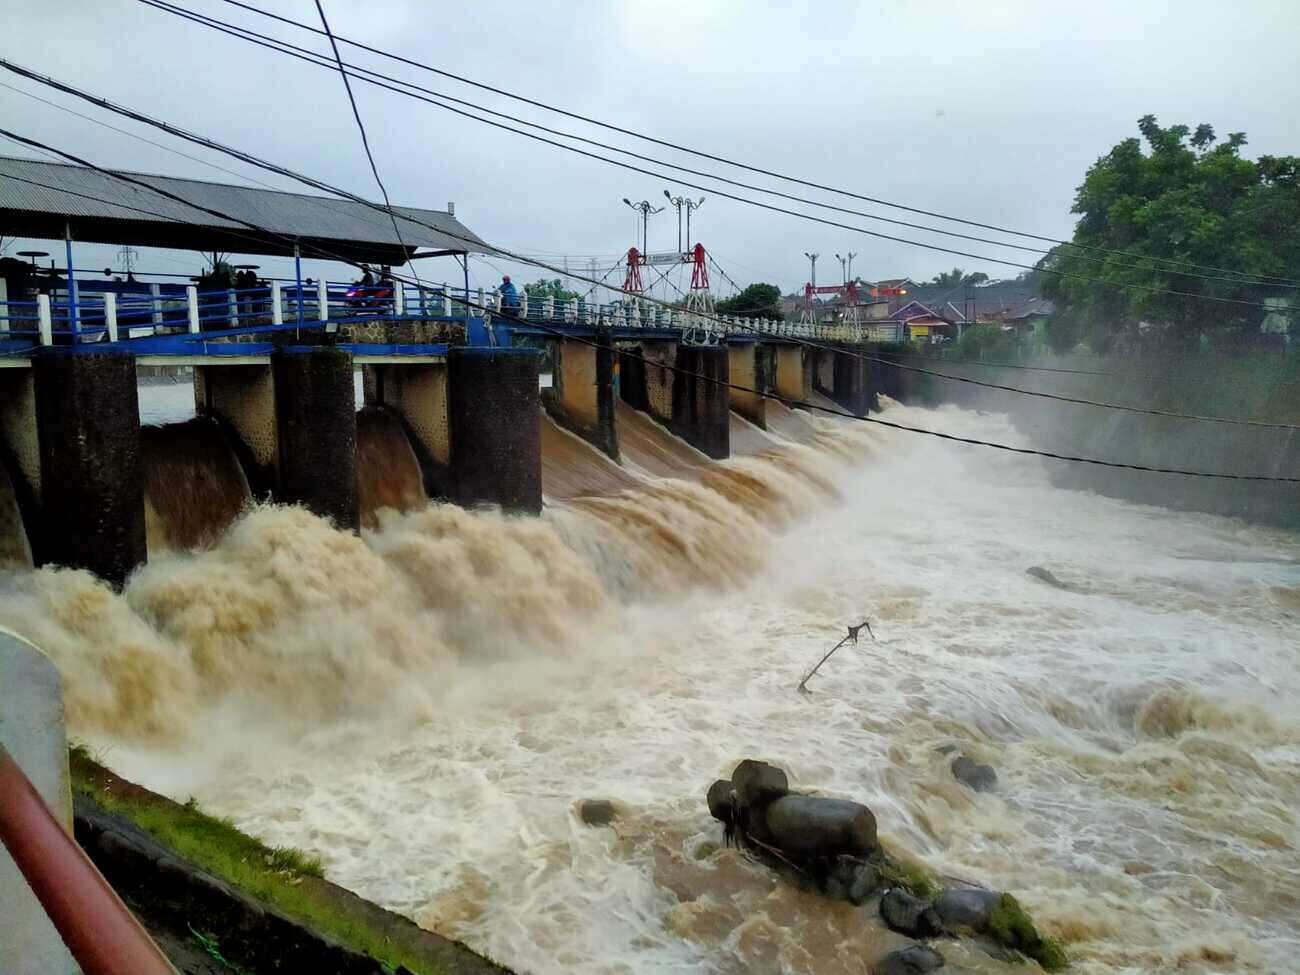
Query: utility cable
(283, 171)
(559, 333)
(369, 75)
(724, 160)
(365, 141)
(109, 106)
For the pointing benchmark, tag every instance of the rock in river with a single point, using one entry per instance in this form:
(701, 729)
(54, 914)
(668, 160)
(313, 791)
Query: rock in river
(597, 812)
(979, 777)
(912, 960)
(909, 915)
(966, 910)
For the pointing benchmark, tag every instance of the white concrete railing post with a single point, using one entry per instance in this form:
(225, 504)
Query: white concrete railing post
(44, 324)
(548, 308)
(482, 304)
(192, 301)
(155, 300)
(322, 300)
(4, 305)
(635, 321)
(277, 304)
(110, 315)
(232, 307)
(399, 298)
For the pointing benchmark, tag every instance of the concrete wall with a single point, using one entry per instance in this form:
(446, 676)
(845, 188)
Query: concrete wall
(852, 387)
(823, 370)
(418, 394)
(242, 399)
(20, 461)
(92, 489)
(494, 409)
(701, 400)
(660, 380)
(792, 377)
(316, 427)
(581, 397)
(749, 368)
(32, 730)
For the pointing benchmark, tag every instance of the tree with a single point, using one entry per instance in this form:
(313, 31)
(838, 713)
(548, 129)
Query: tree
(1187, 199)
(756, 301)
(554, 288)
(956, 278)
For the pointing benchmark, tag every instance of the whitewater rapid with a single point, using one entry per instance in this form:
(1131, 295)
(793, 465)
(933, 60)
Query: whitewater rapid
(423, 706)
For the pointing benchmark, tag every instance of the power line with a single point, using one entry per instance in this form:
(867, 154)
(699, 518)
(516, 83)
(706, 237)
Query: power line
(369, 75)
(675, 369)
(283, 171)
(722, 159)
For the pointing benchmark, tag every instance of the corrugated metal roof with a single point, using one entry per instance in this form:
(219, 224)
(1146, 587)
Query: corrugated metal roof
(36, 195)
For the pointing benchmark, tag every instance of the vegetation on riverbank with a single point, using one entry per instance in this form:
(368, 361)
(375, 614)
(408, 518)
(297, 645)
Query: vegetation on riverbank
(286, 879)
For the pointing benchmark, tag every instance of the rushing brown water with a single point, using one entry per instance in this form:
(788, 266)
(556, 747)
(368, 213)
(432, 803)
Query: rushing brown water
(423, 705)
(194, 488)
(388, 473)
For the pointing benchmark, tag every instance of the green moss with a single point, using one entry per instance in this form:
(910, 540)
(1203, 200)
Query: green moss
(898, 873)
(271, 874)
(1014, 929)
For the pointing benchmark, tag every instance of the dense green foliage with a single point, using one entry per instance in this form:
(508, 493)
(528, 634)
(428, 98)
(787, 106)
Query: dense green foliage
(1187, 199)
(554, 288)
(756, 301)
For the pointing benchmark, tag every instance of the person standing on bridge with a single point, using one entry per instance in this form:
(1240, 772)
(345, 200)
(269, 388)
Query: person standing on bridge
(509, 295)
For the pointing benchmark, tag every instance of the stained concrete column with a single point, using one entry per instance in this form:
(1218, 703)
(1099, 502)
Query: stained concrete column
(792, 373)
(494, 416)
(316, 431)
(823, 370)
(581, 397)
(852, 388)
(701, 401)
(749, 367)
(92, 493)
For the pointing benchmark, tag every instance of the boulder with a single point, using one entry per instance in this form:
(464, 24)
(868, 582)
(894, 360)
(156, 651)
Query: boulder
(852, 880)
(912, 960)
(966, 910)
(597, 812)
(981, 778)
(805, 827)
(909, 915)
(720, 798)
(947, 749)
(757, 783)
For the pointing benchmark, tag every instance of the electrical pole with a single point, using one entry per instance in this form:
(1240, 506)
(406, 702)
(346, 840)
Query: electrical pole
(849, 275)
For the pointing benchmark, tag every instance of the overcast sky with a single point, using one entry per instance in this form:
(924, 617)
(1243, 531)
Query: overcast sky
(989, 111)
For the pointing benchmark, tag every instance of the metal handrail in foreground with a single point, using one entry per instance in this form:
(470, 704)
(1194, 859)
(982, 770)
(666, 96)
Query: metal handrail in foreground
(103, 936)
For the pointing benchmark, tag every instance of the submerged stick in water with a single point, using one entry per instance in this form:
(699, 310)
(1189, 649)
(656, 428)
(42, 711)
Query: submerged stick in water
(851, 637)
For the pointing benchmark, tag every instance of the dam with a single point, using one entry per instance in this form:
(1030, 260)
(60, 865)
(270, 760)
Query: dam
(300, 598)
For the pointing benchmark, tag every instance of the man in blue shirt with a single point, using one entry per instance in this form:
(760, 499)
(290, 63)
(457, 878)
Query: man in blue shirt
(509, 296)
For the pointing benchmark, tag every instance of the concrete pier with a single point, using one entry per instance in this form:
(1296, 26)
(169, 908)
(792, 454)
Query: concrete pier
(793, 379)
(752, 366)
(316, 431)
(581, 397)
(851, 386)
(91, 487)
(494, 424)
(701, 400)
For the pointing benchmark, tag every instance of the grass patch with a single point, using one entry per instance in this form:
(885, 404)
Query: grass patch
(909, 876)
(1012, 927)
(274, 875)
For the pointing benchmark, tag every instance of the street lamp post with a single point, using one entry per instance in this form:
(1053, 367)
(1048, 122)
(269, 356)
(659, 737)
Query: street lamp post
(687, 204)
(645, 209)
